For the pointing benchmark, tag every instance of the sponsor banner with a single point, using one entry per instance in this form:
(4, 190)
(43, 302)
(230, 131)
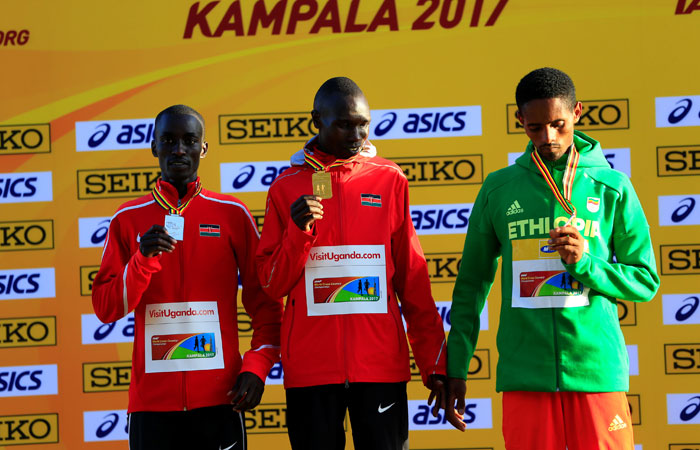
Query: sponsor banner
(113, 134)
(29, 429)
(479, 366)
(19, 284)
(96, 332)
(618, 158)
(477, 415)
(682, 358)
(26, 187)
(450, 170)
(695, 446)
(21, 381)
(21, 139)
(681, 309)
(250, 176)
(412, 123)
(265, 128)
(683, 409)
(26, 235)
(683, 259)
(596, 115)
(28, 332)
(678, 160)
(679, 210)
(443, 267)
(633, 356)
(268, 418)
(106, 376)
(441, 219)
(116, 183)
(681, 111)
(87, 276)
(635, 403)
(105, 426)
(627, 313)
(276, 375)
(92, 231)
(259, 217)
(445, 308)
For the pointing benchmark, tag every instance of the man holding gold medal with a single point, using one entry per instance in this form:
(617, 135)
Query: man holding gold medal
(573, 239)
(339, 242)
(173, 257)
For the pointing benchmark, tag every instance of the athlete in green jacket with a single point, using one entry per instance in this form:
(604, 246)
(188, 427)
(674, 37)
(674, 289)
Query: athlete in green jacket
(568, 252)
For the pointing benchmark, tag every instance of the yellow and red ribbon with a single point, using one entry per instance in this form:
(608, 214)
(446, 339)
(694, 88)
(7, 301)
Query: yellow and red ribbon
(165, 204)
(318, 165)
(568, 181)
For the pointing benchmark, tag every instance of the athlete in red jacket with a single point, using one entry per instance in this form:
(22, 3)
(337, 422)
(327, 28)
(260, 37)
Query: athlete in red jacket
(181, 280)
(343, 257)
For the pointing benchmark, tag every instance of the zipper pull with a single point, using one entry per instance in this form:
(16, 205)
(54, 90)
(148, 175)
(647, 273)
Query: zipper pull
(347, 384)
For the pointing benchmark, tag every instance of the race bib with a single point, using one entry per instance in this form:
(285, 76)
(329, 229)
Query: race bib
(346, 279)
(540, 279)
(182, 337)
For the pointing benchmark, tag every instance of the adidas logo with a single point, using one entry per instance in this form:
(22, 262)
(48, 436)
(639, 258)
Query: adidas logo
(515, 208)
(617, 424)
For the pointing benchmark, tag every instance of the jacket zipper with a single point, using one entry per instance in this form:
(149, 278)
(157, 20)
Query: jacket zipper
(554, 314)
(182, 290)
(342, 319)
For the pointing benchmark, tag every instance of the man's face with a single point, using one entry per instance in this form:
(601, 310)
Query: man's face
(549, 123)
(178, 145)
(343, 125)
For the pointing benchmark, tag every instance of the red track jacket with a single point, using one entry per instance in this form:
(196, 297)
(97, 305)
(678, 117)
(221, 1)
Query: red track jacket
(220, 240)
(325, 341)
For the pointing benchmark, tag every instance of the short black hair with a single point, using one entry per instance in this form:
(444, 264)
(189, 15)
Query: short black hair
(545, 83)
(338, 86)
(180, 110)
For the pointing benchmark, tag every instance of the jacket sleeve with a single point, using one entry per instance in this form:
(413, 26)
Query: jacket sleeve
(633, 276)
(265, 311)
(123, 277)
(412, 285)
(283, 249)
(474, 280)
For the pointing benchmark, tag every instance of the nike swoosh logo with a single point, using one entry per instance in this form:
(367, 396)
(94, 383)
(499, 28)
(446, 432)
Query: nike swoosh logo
(381, 410)
(229, 447)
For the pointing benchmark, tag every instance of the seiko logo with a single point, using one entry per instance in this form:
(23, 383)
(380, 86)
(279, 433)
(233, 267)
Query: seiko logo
(26, 187)
(627, 313)
(27, 283)
(87, 276)
(27, 332)
(29, 429)
(680, 259)
(683, 409)
(679, 210)
(618, 158)
(477, 415)
(479, 366)
(678, 160)
(14, 37)
(105, 426)
(19, 139)
(106, 376)
(250, 176)
(441, 170)
(266, 418)
(96, 332)
(113, 135)
(695, 446)
(678, 111)
(23, 381)
(635, 404)
(426, 122)
(265, 128)
(92, 231)
(115, 183)
(441, 219)
(443, 267)
(681, 309)
(597, 115)
(26, 235)
(682, 358)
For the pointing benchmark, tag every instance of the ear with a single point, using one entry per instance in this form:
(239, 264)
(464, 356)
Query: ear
(578, 110)
(520, 117)
(205, 148)
(153, 148)
(316, 119)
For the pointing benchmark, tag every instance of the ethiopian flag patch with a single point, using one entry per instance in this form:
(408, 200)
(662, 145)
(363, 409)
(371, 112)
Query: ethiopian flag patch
(209, 230)
(371, 200)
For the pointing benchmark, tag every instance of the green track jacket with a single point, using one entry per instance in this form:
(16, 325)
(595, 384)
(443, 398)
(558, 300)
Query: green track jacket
(559, 327)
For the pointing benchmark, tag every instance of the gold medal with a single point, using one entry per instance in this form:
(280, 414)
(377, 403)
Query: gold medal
(322, 184)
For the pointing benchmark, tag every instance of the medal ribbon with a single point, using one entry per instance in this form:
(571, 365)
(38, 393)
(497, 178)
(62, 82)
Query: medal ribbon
(318, 166)
(568, 182)
(165, 204)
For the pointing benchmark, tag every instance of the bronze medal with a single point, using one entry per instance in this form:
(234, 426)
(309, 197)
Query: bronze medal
(322, 184)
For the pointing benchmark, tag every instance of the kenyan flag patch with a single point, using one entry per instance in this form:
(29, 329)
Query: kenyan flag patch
(210, 230)
(371, 200)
